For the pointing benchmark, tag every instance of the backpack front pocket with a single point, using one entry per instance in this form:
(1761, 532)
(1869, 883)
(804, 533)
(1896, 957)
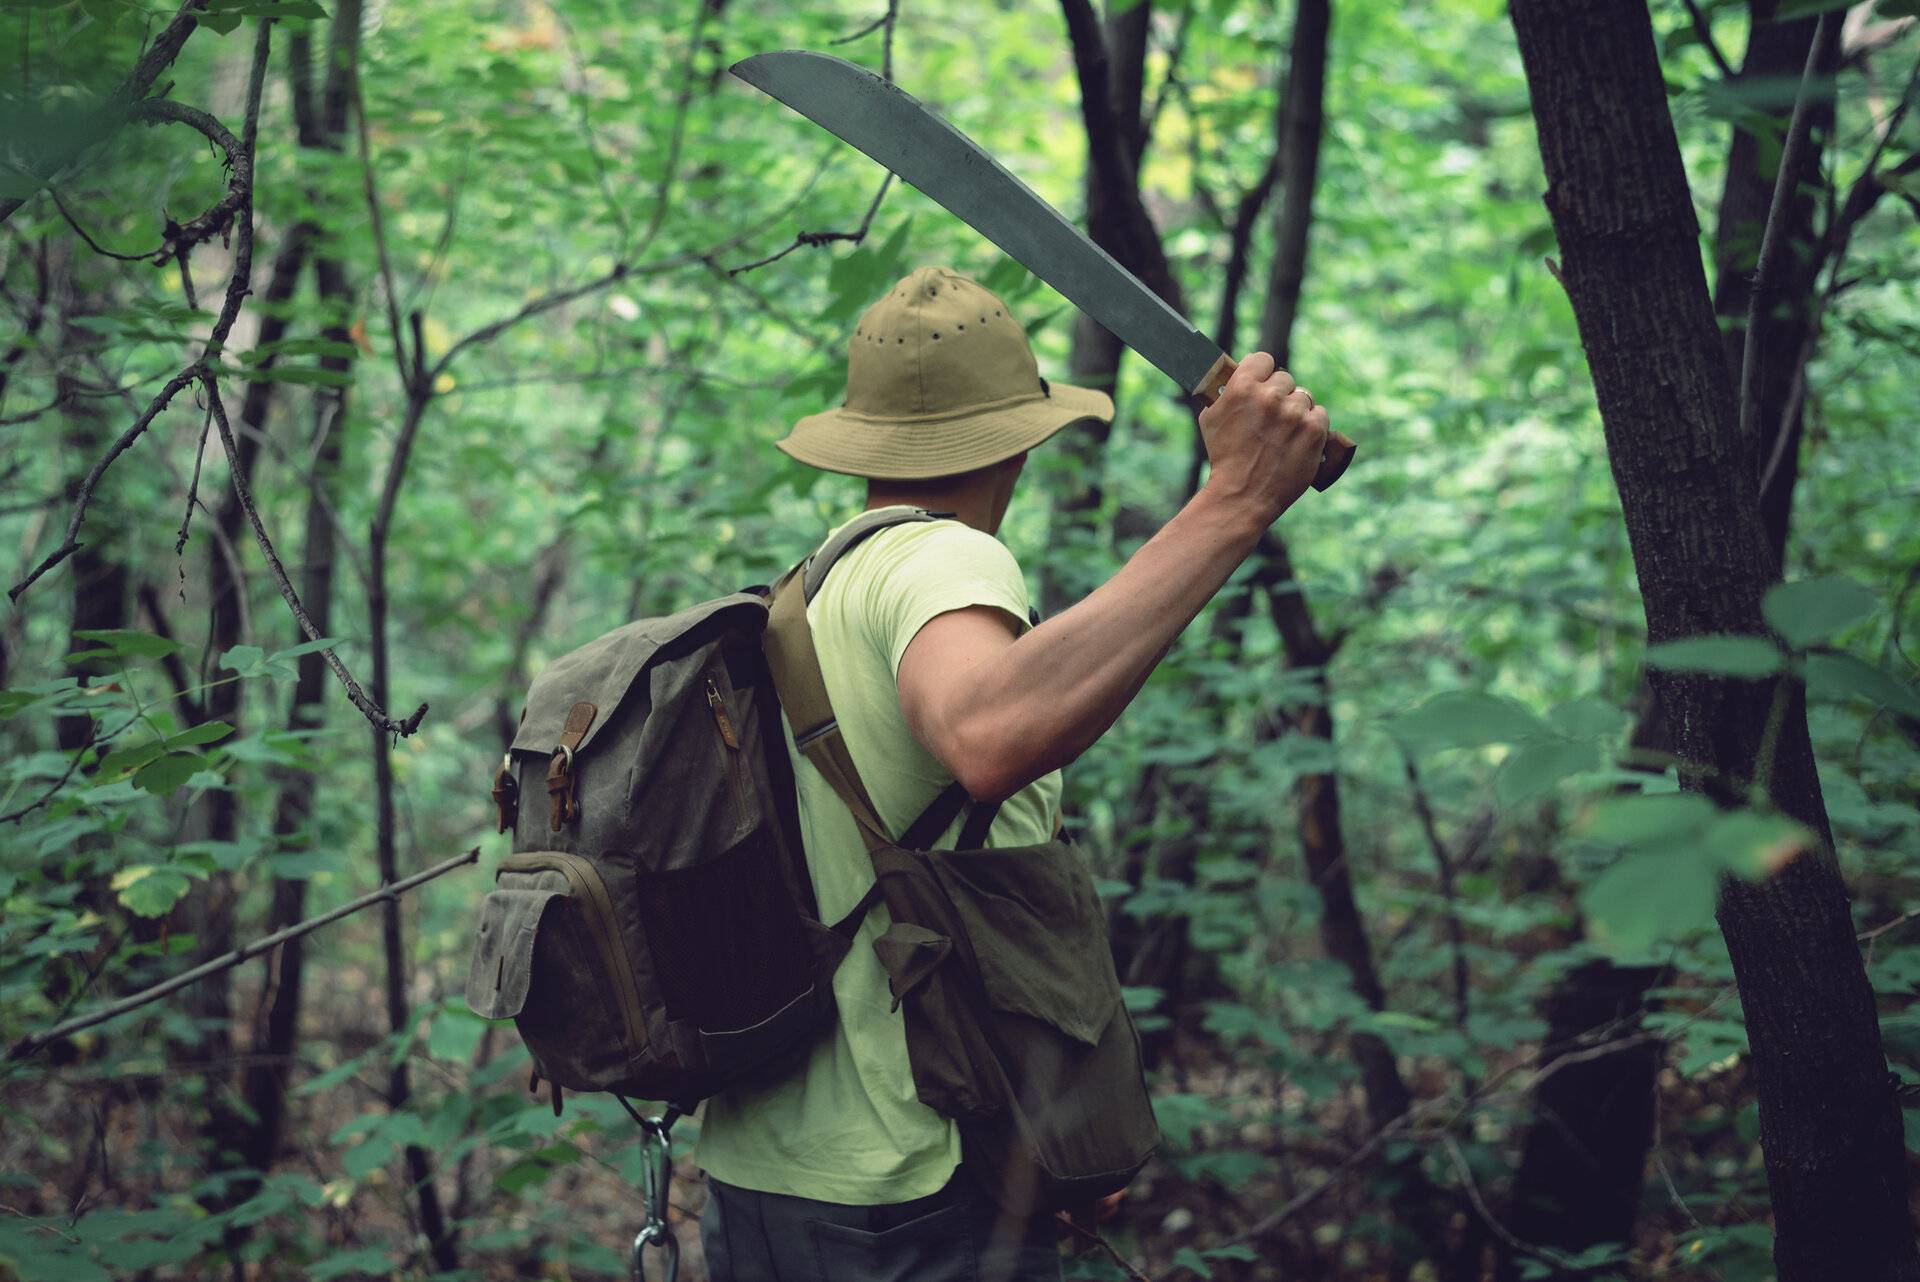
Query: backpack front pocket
(546, 954)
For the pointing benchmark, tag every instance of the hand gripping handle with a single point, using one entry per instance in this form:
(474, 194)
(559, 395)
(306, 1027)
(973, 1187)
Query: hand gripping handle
(1340, 446)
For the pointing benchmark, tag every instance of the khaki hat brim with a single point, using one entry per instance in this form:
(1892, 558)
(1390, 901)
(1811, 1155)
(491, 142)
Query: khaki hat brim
(883, 449)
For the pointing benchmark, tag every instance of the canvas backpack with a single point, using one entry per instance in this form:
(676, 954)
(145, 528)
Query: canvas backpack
(653, 932)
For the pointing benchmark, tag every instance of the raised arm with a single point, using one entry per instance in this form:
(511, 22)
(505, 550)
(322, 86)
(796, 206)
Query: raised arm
(999, 712)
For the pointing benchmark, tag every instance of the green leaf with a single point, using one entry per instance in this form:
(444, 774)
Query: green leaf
(305, 647)
(1534, 768)
(1647, 819)
(1647, 899)
(1751, 844)
(1188, 1258)
(148, 891)
(205, 732)
(242, 658)
(121, 760)
(127, 643)
(162, 775)
(1727, 656)
(1814, 610)
(1465, 719)
(1842, 676)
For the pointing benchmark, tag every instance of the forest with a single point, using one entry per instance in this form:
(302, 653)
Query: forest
(1504, 871)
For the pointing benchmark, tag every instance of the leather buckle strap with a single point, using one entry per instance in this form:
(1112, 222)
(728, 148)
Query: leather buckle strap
(562, 780)
(506, 792)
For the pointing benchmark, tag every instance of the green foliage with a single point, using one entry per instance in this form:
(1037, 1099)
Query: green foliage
(1473, 566)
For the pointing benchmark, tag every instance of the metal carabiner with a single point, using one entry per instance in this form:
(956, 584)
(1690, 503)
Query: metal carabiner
(656, 1177)
(658, 1235)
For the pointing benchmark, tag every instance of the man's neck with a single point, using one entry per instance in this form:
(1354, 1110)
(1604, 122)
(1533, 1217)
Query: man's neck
(974, 503)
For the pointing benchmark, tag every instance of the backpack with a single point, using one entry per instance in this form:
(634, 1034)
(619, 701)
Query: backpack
(654, 931)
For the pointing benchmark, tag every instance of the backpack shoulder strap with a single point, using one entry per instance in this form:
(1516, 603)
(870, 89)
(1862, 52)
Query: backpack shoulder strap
(795, 665)
(855, 532)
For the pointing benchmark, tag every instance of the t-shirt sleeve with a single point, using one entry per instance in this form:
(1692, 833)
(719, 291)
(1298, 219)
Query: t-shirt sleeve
(948, 567)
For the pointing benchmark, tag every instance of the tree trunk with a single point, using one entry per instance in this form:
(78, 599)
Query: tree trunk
(1583, 1163)
(1110, 58)
(1617, 193)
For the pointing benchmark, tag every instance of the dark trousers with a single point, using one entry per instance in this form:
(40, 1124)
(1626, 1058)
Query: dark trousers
(956, 1235)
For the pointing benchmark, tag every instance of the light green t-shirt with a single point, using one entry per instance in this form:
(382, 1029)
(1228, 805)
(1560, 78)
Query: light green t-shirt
(848, 1127)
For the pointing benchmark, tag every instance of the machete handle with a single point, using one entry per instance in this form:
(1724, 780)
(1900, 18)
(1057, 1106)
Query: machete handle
(1340, 446)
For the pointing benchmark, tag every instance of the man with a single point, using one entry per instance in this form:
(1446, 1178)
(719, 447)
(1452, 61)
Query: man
(838, 1173)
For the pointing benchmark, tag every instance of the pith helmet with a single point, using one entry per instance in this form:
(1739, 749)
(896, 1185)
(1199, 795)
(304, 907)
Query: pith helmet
(940, 380)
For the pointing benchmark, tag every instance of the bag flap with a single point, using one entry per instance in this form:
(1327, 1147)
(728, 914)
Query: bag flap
(602, 671)
(909, 953)
(501, 971)
(1038, 936)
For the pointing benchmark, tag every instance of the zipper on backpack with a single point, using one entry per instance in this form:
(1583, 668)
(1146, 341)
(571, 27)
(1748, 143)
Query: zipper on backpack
(730, 763)
(589, 887)
(720, 717)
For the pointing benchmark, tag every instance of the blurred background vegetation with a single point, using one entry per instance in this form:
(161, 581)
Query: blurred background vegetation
(1380, 862)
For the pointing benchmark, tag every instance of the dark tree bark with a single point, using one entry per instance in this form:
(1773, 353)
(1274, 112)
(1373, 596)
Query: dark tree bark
(1583, 1164)
(1110, 60)
(1617, 193)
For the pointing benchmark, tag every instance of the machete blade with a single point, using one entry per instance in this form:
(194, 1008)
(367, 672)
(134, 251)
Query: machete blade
(896, 129)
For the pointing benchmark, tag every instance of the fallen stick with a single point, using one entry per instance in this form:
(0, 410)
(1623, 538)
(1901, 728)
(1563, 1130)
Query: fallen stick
(36, 1041)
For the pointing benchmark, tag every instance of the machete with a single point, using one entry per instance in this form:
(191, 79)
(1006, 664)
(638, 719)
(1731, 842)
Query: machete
(897, 129)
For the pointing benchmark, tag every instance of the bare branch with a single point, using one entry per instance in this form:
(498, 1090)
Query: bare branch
(887, 20)
(371, 711)
(1773, 238)
(1703, 30)
(71, 543)
(33, 1042)
(93, 244)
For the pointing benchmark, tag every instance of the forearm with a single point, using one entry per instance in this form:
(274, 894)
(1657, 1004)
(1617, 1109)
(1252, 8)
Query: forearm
(1043, 700)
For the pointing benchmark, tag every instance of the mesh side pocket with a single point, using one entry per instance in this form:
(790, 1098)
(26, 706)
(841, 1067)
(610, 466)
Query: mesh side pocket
(726, 939)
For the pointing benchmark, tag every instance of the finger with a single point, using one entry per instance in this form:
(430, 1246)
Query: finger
(1318, 423)
(1252, 371)
(1280, 383)
(1300, 401)
(1304, 392)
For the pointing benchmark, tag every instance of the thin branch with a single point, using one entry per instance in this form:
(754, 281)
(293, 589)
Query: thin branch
(1773, 238)
(193, 486)
(33, 1042)
(380, 233)
(886, 21)
(61, 205)
(1099, 1239)
(1456, 935)
(373, 712)
(1500, 1230)
(73, 764)
(1862, 196)
(810, 239)
(663, 197)
(1704, 31)
(71, 543)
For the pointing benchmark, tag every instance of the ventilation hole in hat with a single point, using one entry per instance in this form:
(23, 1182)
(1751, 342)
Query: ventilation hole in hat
(936, 333)
(960, 327)
(983, 320)
(996, 311)
(900, 340)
